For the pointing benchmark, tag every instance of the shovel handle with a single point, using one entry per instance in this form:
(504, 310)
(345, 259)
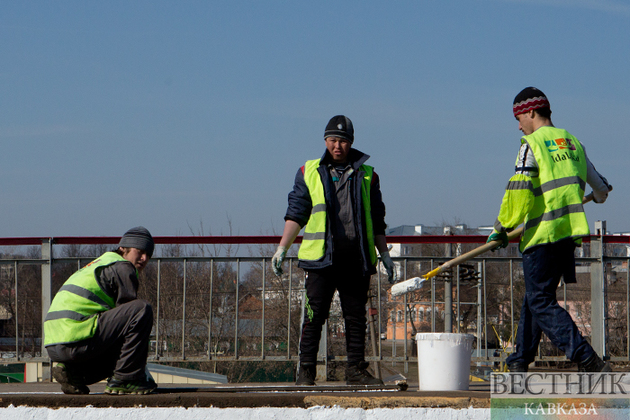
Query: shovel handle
(487, 247)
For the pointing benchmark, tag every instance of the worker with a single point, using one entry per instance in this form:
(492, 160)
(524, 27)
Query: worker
(338, 199)
(97, 328)
(552, 170)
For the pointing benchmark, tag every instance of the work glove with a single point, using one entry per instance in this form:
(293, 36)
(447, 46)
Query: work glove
(499, 236)
(389, 267)
(278, 259)
(599, 198)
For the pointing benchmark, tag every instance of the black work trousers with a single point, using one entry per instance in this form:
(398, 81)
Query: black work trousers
(345, 276)
(119, 347)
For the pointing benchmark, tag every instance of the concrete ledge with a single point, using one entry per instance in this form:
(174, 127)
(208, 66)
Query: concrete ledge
(50, 395)
(395, 401)
(197, 413)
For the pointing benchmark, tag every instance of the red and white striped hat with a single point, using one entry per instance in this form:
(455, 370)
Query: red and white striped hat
(528, 99)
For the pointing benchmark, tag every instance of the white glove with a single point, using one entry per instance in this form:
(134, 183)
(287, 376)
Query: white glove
(278, 259)
(389, 267)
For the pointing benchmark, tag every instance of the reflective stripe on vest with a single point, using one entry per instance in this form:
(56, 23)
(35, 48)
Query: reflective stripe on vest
(314, 237)
(558, 190)
(72, 314)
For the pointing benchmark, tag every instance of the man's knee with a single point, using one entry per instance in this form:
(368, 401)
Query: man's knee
(317, 320)
(539, 301)
(140, 309)
(146, 310)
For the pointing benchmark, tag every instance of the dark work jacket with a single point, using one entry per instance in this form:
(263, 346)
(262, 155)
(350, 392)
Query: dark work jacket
(300, 205)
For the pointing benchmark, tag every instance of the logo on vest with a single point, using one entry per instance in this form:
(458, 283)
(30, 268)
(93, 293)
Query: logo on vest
(93, 262)
(561, 150)
(559, 144)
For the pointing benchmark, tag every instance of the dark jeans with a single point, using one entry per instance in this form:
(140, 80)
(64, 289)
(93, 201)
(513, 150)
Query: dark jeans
(119, 347)
(543, 267)
(345, 277)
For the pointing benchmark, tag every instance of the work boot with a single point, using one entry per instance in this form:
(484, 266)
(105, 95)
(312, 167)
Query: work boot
(594, 364)
(306, 374)
(517, 367)
(357, 374)
(71, 382)
(120, 387)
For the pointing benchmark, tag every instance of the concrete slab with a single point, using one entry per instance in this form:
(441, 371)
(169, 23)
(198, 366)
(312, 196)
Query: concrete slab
(49, 395)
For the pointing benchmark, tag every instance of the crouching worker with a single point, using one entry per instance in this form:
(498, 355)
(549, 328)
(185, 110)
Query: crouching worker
(97, 328)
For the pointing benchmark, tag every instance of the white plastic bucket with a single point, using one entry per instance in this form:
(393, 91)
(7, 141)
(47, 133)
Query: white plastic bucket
(444, 361)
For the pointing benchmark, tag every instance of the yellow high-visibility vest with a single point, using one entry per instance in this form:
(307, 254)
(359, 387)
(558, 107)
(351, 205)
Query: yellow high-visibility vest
(73, 312)
(557, 212)
(314, 237)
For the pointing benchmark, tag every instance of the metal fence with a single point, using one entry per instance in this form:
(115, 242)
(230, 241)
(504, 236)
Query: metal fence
(224, 308)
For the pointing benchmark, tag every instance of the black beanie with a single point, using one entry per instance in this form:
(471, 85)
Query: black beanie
(528, 99)
(140, 238)
(340, 126)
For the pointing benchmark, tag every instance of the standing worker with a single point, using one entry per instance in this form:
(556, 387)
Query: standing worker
(546, 193)
(338, 199)
(97, 328)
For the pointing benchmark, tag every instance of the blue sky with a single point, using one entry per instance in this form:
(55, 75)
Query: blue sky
(178, 115)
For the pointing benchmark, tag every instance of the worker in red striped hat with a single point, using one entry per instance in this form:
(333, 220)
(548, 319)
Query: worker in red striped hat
(546, 194)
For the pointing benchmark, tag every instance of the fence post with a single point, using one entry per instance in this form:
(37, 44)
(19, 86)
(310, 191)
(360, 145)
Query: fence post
(479, 305)
(46, 270)
(448, 287)
(598, 290)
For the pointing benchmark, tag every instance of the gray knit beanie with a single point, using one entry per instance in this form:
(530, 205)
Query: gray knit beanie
(138, 237)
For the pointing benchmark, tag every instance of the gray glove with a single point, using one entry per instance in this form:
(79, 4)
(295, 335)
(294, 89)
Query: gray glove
(599, 198)
(278, 259)
(389, 267)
